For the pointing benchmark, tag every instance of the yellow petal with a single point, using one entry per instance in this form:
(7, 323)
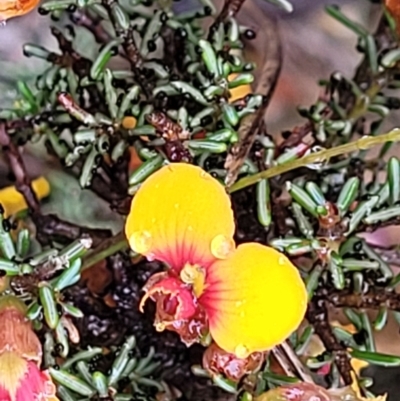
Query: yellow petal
(17, 334)
(356, 388)
(14, 8)
(129, 122)
(238, 92)
(13, 202)
(13, 369)
(181, 215)
(254, 299)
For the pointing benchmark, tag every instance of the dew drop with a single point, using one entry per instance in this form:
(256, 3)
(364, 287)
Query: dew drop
(140, 241)
(222, 246)
(189, 273)
(190, 228)
(3, 23)
(176, 205)
(159, 326)
(151, 257)
(241, 351)
(282, 260)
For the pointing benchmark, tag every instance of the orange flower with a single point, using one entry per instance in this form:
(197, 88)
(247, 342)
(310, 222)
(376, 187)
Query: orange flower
(15, 8)
(20, 355)
(249, 298)
(394, 7)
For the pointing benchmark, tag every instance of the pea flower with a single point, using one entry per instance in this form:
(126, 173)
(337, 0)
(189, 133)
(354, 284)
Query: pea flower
(20, 355)
(248, 298)
(16, 8)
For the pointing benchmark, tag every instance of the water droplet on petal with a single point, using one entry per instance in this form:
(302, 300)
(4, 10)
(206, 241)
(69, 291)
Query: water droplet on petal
(241, 351)
(140, 241)
(190, 228)
(151, 257)
(176, 206)
(282, 260)
(159, 326)
(3, 23)
(222, 246)
(238, 303)
(203, 174)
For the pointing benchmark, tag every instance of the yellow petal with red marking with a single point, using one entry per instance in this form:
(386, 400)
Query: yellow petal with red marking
(16, 333)
(181, 215)
(15, 8)
(254, 299)
(22, 380)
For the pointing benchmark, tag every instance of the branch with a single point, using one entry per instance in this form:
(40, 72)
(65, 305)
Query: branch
(128, 43)
(47, 225)
(251, 124)
(323, 156)
(23, 183)
(105, 249)
(317, 315)
(375, 298)
(51, 226)
(229, 9)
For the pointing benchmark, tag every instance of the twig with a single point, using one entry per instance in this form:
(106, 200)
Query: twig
(363, 143)
(22, 180)
(229, 9)
(132, 52)
(92, 25)
(47, 225)
(51, 226)
(251, 124)
(373, 299)
(317, 315)
(106, 248)
(301, 371)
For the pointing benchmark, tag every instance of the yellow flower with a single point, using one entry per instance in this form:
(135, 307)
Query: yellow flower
(13, 202)
(20, 356)
(15, 8)
(249, 298)
(240, 91)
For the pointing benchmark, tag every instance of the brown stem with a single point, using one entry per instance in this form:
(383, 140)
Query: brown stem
(252, 124)
(229, 9)
(373, 299)
(317, 315)
(132, 52)
(22, 180)
(51, 226)
(47, 225)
